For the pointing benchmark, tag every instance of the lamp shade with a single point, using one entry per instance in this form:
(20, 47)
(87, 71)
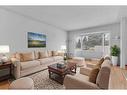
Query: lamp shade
(4, 48)
(63, 47)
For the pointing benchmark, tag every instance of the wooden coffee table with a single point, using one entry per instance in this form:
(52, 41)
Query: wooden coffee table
(58, 74)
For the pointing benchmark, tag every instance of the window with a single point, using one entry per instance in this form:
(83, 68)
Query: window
(106, 39)
(93, 41)
(90, 41)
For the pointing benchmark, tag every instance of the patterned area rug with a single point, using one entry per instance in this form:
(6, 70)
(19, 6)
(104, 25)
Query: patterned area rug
(42, 81)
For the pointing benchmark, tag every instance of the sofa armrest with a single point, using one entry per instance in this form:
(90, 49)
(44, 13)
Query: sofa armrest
(71, 82)
(16, 64)
(85, 70)
(15, 61)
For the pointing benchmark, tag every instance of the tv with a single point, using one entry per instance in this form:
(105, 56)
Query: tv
(36, 40)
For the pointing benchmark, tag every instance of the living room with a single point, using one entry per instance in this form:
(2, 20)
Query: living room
(74, 36)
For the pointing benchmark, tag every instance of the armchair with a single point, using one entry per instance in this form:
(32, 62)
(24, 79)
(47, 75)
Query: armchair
(81, 81)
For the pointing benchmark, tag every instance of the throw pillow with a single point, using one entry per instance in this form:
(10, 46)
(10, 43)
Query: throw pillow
(49, 53)
(19, 57)
(29, 56)
(100, 62)
(54, 53)
(43, 54)
(93, 75)
(36, 54)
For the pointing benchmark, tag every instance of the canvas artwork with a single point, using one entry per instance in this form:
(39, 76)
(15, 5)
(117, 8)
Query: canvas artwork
(36, 40)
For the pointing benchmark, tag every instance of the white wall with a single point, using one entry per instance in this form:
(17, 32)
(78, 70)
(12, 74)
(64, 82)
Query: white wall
(113, 29)
(14, 28)
(123, 45)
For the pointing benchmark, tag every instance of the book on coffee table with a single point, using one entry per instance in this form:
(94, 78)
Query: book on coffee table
(61, 65)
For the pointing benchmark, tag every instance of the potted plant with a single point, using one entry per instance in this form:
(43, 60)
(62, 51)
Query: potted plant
(115, 50)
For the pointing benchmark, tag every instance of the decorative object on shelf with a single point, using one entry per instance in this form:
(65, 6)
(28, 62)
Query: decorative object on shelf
(3, 50)
(115, 50)
(36, 40)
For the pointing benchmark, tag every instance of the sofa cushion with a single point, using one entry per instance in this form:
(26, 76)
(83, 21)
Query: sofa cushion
(17, 56)
(57, 58)
(49, 53)
(46, 60)
(29, 64)
(29, 56)
(36, 54)
(43, 54)
(55, 53)
(93, 75)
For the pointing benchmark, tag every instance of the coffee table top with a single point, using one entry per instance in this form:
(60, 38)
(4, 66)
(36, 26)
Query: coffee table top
(67, 66)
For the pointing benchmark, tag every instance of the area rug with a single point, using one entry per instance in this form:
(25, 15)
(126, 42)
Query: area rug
(42, 81)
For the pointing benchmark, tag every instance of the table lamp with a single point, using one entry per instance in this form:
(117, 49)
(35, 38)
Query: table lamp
(63, 48)
(3, 50)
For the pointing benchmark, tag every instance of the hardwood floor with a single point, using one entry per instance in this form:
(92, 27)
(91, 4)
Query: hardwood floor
(4, 84)
(117, 79)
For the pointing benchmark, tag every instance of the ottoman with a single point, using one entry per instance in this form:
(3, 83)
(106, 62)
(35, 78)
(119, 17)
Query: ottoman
(22, 83)
(79, 60)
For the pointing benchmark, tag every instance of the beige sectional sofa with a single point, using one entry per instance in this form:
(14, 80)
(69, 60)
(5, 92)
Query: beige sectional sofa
(30, 62)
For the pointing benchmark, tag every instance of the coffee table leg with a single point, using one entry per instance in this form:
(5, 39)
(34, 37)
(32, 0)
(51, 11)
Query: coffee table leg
(62, 76)
(75, 69)
(49, 74)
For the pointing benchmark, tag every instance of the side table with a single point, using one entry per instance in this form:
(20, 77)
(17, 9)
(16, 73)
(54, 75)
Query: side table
(6, 66)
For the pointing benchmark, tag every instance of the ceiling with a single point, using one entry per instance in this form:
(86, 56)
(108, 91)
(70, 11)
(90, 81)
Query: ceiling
(72, 17)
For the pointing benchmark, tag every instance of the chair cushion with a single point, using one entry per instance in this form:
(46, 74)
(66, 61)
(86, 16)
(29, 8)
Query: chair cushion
(29, 64)
(93, 75)
(85, 70)
(29, 56)
(81, 77)
(46, 60)
(43, 54)
(57, 58)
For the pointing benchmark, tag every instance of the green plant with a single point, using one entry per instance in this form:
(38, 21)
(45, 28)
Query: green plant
(115, 50)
